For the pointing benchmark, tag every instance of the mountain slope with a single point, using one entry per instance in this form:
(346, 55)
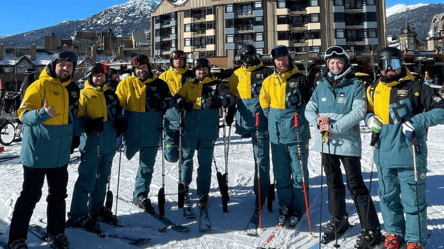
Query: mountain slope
(122, 19)
(398, 8)
(419, 18)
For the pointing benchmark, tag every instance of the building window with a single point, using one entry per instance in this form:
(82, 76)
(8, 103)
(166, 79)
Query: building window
(210, 39)
(339, 34)
(210, 25)
(187, 42)
(314, 3)
(339, 17)
(283, 35)
(209, 10)
(371, 17)
(258, 21)
(372, 33)
(259, 37)
(229, 23)
(187, 27)
(187, 13)
(281, 4)
(315, 49)
(370, 2)
(260, 51)
(173, 30)
(257, 5)
(282, 20)
(229, 8)
(173, 16)
(314, 18)
(339, 2)
(157, 19)
(353, 4)
(230, 38)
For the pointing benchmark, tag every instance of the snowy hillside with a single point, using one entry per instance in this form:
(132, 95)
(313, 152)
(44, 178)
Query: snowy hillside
(228, 228)
(122, 19)
(398, 8)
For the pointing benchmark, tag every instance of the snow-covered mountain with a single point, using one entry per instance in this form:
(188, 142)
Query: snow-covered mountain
(122, 19)
(398, 8)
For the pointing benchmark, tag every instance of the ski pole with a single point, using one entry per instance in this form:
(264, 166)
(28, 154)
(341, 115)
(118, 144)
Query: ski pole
(324, 138)
(161, 194)
(296, 125)
(336, 245)
(118, 176)
(415, 147)
(375, 137)
(181, 200)
(98, 175)
(258, 177)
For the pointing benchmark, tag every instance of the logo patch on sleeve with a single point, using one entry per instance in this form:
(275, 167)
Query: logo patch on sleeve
(259, 76)
(323, 99)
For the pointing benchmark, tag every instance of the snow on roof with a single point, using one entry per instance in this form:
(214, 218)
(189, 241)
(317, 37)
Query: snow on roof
(180, 2)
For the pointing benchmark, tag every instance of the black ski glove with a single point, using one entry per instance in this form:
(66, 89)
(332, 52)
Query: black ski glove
(75, 143)
(121, 126)
(212, 103)
(184, 104)
(94, 125)
(157, 104)
(230, 115)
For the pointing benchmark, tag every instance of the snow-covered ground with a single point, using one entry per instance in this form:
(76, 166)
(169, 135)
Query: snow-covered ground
(228, 228)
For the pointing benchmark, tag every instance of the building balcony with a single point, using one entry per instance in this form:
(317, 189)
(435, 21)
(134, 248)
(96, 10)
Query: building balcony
(298, 28)
(188, 34)
(313, 42)
(200, 48)
(210, 32)
(282, 11)
(187, 20)
(200, 33)
(355, 43)
(211, 47)
(354, 25)
(298, 12)
(313, 10)
(245, 15)
(210, 18)
(298, 43)
(284, 43)
(188, 49)
(199, 19)
(371, 41)
(353, 11)
(313, 26)
(283, 27)
(370, 25)
(167, 52)
(244, 29)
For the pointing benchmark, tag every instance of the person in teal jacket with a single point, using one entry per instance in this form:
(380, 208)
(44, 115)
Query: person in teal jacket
(145, 98)
(337, 106)
(400, 109)
(245, 85)
(100, 108)
(284, 94)
(201, 124)
(49, 113)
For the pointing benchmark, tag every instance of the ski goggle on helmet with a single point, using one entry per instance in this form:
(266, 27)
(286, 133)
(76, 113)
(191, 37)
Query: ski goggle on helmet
(178, 54)
(101, 68)
(140, 60)
(394, 64)
(336, 51)
(66, 56)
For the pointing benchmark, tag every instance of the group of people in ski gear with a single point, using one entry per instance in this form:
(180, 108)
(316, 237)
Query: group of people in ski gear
(273, 106)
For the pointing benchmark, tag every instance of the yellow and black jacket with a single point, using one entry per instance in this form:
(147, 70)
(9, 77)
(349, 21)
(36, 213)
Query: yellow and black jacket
(47, 141)
(145, 123)
(396, 102)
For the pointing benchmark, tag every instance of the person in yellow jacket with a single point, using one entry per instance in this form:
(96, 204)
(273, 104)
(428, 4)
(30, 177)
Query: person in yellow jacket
(49, 113)
(100, 108)
(144, 98)
(175, 77)
(284, 94)
(245, 84)
(201, 124)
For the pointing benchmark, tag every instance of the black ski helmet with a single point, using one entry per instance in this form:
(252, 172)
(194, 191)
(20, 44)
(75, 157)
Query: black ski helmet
(278, 51)
(141, 59)
(387, 54)
(202, 62)
(61, 56)
(111, 72)
(248, 56)
(96, 68)
(178, 54)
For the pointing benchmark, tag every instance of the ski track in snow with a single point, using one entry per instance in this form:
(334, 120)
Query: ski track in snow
(227, 228)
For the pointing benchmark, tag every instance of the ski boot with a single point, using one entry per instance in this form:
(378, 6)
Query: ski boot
(87, 222)
(295, 217)
(283, 216)
(368, 238)
(107, 216)
(203, 201)
(58, 242)
(144, 203)
(392, 241)
(335, 228)
(18, 244)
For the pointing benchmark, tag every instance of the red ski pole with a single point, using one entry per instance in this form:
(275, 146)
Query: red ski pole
(296, 125)
(258, 176)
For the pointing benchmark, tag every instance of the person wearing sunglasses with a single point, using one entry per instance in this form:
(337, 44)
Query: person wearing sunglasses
(337, 106)
(283, 95)
(145, 98)
(400, 109)
(112, 79)
(101, 110)
(245, 84)
(49, 113)
(175, 77)
(201, 98)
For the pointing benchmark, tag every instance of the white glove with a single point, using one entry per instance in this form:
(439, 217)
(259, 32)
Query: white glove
(375, 123)
(408, 130)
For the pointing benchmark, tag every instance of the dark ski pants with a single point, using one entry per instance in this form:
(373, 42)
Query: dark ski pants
(261, 151)
(145, 171)
(90, 188)
(356, 186)
(31, 193)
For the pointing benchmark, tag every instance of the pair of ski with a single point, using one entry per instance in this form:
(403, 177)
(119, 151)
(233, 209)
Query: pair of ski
(204, 220)
(253, 224)
(41, 233)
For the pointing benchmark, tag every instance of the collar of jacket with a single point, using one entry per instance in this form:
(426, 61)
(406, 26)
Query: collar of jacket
(44, 75)
(408, 76)
(180, 70)
(94, 87)
(251, 69)
(285, 75)
(147, 81)
(205, 81)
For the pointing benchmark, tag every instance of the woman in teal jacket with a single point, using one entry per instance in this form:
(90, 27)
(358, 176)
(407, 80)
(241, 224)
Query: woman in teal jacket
(337, 106)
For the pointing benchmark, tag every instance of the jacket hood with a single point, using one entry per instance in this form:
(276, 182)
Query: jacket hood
(180, 70)
(93, 87)
(286, 75)
(252, 68)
